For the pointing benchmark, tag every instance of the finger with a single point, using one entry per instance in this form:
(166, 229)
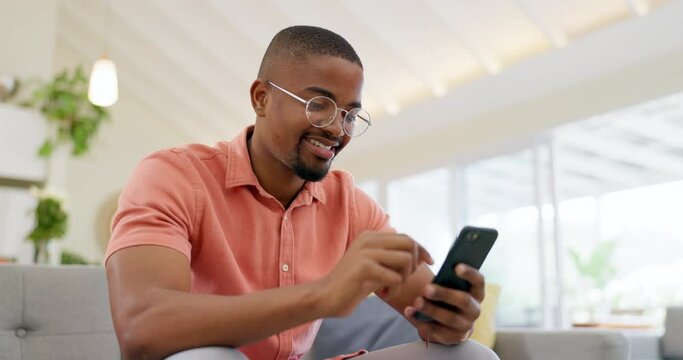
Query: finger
(403, 242)
(392, 241)
(388, 281)
(398, 261)
(421, 326)
(474, 277)
(464, 301)
(423, 255)
(437, 332)
(445, 317)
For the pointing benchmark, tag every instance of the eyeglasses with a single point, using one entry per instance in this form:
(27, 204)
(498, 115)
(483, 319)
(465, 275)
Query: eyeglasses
(321, 112)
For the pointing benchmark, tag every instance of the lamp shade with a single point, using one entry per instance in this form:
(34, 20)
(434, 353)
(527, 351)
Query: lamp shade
(103, 89)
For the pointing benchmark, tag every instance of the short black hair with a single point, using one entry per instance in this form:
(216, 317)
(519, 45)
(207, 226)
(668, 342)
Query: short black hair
(300, 41)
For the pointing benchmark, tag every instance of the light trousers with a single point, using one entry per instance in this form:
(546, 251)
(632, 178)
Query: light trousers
(469, 350)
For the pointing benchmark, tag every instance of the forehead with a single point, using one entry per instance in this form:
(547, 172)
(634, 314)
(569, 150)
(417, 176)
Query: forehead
(341, 77)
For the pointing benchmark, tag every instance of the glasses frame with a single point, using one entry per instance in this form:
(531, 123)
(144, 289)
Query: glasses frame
(343, 112)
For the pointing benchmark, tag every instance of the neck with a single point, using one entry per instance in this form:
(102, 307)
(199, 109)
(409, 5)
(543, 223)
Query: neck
(275, 177)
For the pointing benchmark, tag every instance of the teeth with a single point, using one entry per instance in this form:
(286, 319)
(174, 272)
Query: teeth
(319, 144)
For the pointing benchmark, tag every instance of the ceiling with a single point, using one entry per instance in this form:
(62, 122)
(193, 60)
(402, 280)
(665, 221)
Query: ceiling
(192, 61)
(631, 148)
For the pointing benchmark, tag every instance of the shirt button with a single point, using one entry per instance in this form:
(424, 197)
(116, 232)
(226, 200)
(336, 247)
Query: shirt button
(285, 267)
(20, 332)
(285, 218)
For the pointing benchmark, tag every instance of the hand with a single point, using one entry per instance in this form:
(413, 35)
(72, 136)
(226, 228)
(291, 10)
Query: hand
(449, 327)
(376, 261)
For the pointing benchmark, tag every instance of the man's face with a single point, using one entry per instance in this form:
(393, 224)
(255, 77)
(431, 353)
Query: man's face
(308, 151)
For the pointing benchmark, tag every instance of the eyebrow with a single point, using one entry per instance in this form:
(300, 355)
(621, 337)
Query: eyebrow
(325, 92)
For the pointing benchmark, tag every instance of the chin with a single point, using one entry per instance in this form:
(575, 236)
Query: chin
(311, 173)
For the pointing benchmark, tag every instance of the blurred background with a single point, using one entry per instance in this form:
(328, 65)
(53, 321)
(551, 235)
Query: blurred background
(558, 122)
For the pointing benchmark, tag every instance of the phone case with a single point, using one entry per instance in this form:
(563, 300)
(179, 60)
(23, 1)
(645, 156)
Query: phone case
(470, 247)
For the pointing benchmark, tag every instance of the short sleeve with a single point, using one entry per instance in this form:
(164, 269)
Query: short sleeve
(158, 206)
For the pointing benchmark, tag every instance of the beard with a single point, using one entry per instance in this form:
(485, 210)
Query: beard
(306, 171)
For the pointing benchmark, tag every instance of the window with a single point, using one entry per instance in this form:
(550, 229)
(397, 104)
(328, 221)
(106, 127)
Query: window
(418, 206)
(620, 203)
(500, 193)
(588, 216)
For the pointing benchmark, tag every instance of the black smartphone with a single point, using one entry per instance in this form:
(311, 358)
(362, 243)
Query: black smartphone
(470, 247)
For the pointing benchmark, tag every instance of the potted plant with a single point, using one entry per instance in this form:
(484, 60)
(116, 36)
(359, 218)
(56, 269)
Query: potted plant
(74, 120)
(50, 223)
(597, 269)
(64, 103)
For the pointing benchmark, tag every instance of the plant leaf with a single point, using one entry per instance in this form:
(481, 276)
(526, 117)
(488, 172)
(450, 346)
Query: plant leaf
(46, 149)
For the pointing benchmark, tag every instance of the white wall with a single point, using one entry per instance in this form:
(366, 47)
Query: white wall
(95, 179)
(27, 38)
(32, 48)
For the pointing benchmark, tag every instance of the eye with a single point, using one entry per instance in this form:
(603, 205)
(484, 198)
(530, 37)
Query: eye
(320, 104)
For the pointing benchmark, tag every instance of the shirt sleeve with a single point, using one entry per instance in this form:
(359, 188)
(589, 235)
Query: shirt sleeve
(158, 206)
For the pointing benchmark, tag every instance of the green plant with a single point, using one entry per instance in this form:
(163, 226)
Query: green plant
(64, 102)
(71, 258)
(50, 222)
(597, 266)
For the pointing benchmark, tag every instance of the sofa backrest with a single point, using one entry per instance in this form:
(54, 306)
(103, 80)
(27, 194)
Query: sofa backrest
(55, 313)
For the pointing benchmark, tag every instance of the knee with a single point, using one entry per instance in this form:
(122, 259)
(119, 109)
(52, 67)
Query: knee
(208, 353)
(471, 349)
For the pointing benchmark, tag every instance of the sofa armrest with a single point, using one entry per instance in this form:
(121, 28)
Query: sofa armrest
(672, 346)
(524, 344)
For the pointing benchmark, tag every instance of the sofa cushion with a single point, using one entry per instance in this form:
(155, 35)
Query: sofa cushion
(11, 298)
(485, 325)
(373, 325)
(55, 313)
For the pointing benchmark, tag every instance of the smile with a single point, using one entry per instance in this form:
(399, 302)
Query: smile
(319, 144)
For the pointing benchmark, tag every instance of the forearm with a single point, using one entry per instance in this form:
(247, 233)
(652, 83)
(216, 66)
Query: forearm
(172, 320)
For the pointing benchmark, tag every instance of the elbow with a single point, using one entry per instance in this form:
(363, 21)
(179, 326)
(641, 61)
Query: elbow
(138, 339)
(135, 342)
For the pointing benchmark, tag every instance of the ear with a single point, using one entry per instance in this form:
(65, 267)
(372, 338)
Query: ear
(257, 93)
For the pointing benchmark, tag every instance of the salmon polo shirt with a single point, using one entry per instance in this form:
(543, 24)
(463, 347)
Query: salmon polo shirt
(206, 203)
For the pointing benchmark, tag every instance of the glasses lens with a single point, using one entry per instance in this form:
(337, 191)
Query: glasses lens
(320, 111)
(356, 122)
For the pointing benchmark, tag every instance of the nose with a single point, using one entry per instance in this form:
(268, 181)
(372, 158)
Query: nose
(337, 127)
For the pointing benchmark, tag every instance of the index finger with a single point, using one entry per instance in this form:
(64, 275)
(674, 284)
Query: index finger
(398, 241)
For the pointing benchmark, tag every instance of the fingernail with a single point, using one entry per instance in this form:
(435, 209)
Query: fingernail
(431, 291)
(461, 269)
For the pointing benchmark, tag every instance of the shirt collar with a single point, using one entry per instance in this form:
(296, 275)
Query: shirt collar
(240, 172)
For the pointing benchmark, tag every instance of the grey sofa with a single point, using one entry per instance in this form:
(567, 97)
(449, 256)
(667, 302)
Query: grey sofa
(55, 313)
(374, 325)
(63, 313)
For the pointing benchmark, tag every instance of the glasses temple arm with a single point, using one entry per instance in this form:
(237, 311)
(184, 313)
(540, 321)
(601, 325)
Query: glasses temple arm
(287, 92)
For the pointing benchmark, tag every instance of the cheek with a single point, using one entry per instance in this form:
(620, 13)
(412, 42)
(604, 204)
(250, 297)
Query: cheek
(285, 139)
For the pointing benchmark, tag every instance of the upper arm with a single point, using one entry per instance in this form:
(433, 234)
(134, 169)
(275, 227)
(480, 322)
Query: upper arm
(138, 278)
(158, 206)
(150, 246)
(134, 274)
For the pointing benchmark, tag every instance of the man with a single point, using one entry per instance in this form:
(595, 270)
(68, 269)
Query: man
(249, 244)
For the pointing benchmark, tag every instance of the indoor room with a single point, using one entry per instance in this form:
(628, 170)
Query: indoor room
(558, 123)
